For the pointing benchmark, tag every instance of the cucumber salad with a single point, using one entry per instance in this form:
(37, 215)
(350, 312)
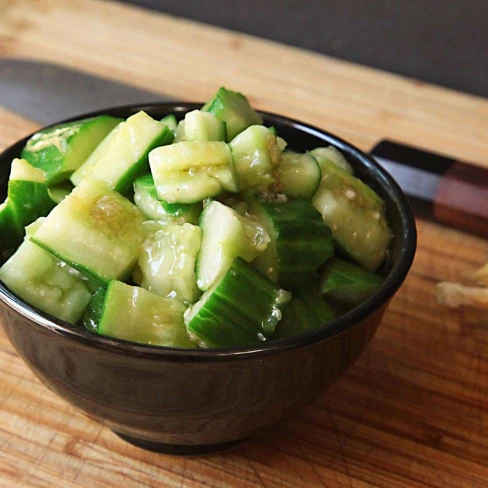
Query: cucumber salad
(204, 232)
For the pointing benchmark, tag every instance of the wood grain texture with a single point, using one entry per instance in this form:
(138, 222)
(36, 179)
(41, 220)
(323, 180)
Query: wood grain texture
(412, 412)
(189, 61)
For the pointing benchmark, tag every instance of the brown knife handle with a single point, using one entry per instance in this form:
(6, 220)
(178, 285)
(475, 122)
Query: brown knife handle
(461, 199)
(439, 187)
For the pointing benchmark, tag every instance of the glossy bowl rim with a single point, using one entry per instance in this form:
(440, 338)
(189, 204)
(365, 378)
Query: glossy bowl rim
(381, 298)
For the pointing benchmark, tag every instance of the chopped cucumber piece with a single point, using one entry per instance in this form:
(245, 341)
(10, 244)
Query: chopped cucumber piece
(203, 126)
(59, 192)
(298, 175)
(124, 156)
(240, 310)
(234, 109)
(306, 311)
(348, 282)
(134, 314)
(31, 229)
(167, 261)
(146, 198)
(93, 313)
(170, 122)
(179, 132)
(355, 215)
(300, 241)
(98, 154)
(281, 143)
(242, 208)
(333, 155)
(255, 151)
(95, 230)
(189, 171)
(34, 275)
(61, 149)
(226, 235)
(27, 199)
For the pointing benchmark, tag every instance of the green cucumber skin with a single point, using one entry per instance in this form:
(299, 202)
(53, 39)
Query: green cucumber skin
(123, 155)
(306, 311)
(11, 232)
(93, 313)
(300, 241)
(26, 202)
(170, 122)
(134, 314)
(49, 149)
(142, 165)
(355, 214)
(234, 109)
(35, 276)
(219, 320)
(31, 200)
(348, 282)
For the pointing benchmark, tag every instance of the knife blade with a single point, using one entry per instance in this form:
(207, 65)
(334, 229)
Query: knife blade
(440, 188)
(46, 92)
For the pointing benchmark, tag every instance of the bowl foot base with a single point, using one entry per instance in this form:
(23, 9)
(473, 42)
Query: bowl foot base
(181, 449)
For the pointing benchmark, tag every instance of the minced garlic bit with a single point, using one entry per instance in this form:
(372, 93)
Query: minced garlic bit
(350, 194)
(455, 294)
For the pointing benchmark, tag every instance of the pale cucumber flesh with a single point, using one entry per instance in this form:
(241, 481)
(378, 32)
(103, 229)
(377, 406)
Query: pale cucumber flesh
(134, 314)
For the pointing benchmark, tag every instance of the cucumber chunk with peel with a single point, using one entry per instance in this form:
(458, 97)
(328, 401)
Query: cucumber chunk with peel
(170, 122)
(134, 314)
(234, 109)
(95, 230)
(189, 171)
(61, 149)
(146, 198)
(333, 155)
(125, 157)
(306, 311)
(98, 154)
(93, 313)
(203, 126)
(255, 151)
(166, 263)
(34, 275)
(355, 215)
(297, 175)
(348, 282)
(300, 241)
(226, 236)
(28, 198)
(242, 309)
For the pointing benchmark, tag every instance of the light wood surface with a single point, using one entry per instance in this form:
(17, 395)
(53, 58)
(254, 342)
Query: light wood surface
(413, 411)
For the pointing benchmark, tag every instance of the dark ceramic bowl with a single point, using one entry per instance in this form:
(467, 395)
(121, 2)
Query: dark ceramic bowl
(200, 401)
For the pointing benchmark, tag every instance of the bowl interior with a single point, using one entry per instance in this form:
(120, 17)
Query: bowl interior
(300, 137)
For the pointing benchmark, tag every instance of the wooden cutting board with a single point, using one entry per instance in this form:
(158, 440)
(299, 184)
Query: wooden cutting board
(413, 411)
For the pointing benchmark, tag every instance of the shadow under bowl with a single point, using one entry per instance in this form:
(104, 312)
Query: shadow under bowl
(202, 401)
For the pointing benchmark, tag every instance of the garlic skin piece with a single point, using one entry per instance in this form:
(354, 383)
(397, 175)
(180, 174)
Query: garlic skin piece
(454, 295)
